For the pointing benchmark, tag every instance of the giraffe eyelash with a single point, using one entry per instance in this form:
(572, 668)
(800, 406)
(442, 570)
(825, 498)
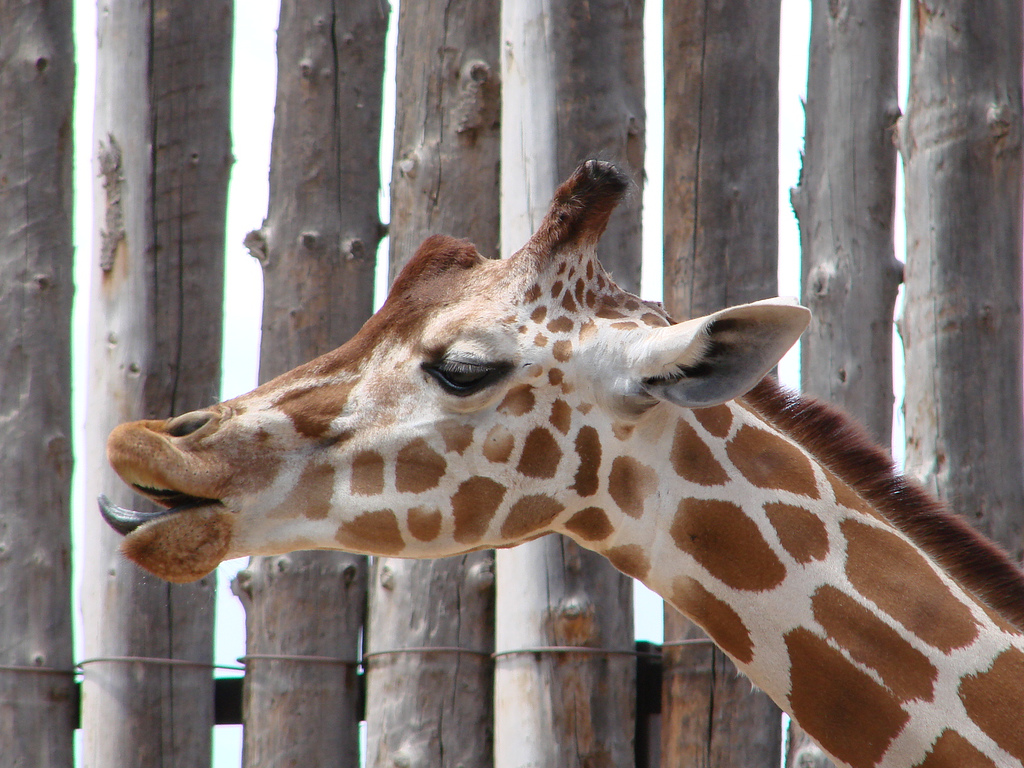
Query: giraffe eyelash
(464, 378)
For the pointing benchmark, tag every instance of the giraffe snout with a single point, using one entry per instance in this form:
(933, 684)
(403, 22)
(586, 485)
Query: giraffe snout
(188, 423)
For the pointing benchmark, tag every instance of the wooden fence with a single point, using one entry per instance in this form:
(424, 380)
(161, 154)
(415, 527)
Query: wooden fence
(495, 104)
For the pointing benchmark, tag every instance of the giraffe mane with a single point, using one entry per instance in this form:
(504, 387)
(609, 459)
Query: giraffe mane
(842, 446)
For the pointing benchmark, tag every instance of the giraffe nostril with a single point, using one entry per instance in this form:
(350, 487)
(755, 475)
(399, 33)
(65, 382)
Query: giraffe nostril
(187, 423)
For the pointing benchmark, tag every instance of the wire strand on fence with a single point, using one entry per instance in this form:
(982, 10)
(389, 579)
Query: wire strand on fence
(573, 649)
(41, 670)
(295, 657)
(426, 649)
(691, 641)
(80, 666)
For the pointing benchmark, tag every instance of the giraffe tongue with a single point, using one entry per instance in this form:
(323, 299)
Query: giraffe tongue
(124, 521)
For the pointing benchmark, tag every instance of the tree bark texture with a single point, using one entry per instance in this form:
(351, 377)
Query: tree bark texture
(721, 153)
(845, 205)
(572, 89)
(447, 126)
(427, 708)
(575, 70)
(318, 247)
(436, 707)
(561, 709)
(164, 156)
(961, 328)
(300, 701)
(721, 235)
(37, 689)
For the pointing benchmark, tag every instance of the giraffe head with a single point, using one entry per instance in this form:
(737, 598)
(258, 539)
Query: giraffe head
(471, 411)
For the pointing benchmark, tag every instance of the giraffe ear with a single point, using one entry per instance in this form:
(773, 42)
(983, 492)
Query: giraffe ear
(709, 360)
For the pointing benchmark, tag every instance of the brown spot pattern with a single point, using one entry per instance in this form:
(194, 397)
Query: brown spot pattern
(952, 749)
(498, 444)
(519, 401)
(367, 474)
(992, 701)
(567, 302)
(539, 314)
(424, 524)
(473, 506)
(457, 437)
(692, 459)
(717, 420)
(418, 467)
(722, 538)
(801, 533)
(769, 461)
(844, 709)
(560, 324)
(590, 524)
(588, 448)
(913, 594)
(653, 320)
(529, 515)
(587, 330)
(561, 416)
(609, 310)
(556, 289)
(313, 408)
(540, 455)
(533, 293)
(625, 325)
(540, 340)
(630, 483)
(904, 669)
(375, 532)
(716, 616)
(847, 497)
(623, 431)
(630, 559)
(312, 494)
(562, 350)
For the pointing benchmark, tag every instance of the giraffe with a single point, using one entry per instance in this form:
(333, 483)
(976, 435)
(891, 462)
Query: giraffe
(491, 402)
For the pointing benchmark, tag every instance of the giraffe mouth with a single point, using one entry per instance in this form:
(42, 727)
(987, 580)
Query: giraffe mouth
(125, 521)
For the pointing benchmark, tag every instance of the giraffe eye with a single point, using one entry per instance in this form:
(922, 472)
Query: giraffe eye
(462, 378)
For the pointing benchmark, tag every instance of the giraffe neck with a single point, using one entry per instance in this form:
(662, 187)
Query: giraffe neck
(827, 606)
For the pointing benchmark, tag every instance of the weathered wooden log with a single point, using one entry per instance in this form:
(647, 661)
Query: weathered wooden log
(318, 246)
(961, 327)
(37, 78)
(162, 133)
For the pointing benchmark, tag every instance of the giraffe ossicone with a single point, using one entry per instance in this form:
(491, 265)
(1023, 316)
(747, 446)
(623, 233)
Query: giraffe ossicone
(490, 402)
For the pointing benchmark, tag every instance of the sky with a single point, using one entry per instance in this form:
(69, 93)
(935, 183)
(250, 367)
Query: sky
(252, 122)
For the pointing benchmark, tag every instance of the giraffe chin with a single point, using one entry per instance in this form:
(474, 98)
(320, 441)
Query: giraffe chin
(181, 547)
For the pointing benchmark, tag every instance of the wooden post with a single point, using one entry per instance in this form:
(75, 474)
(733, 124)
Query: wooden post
(961, 328)
(318, 247)
(161, 127)
(435, 708)
(845, 206)
(37, 78)
(845, 203)
(572, 88)
(721, 234)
